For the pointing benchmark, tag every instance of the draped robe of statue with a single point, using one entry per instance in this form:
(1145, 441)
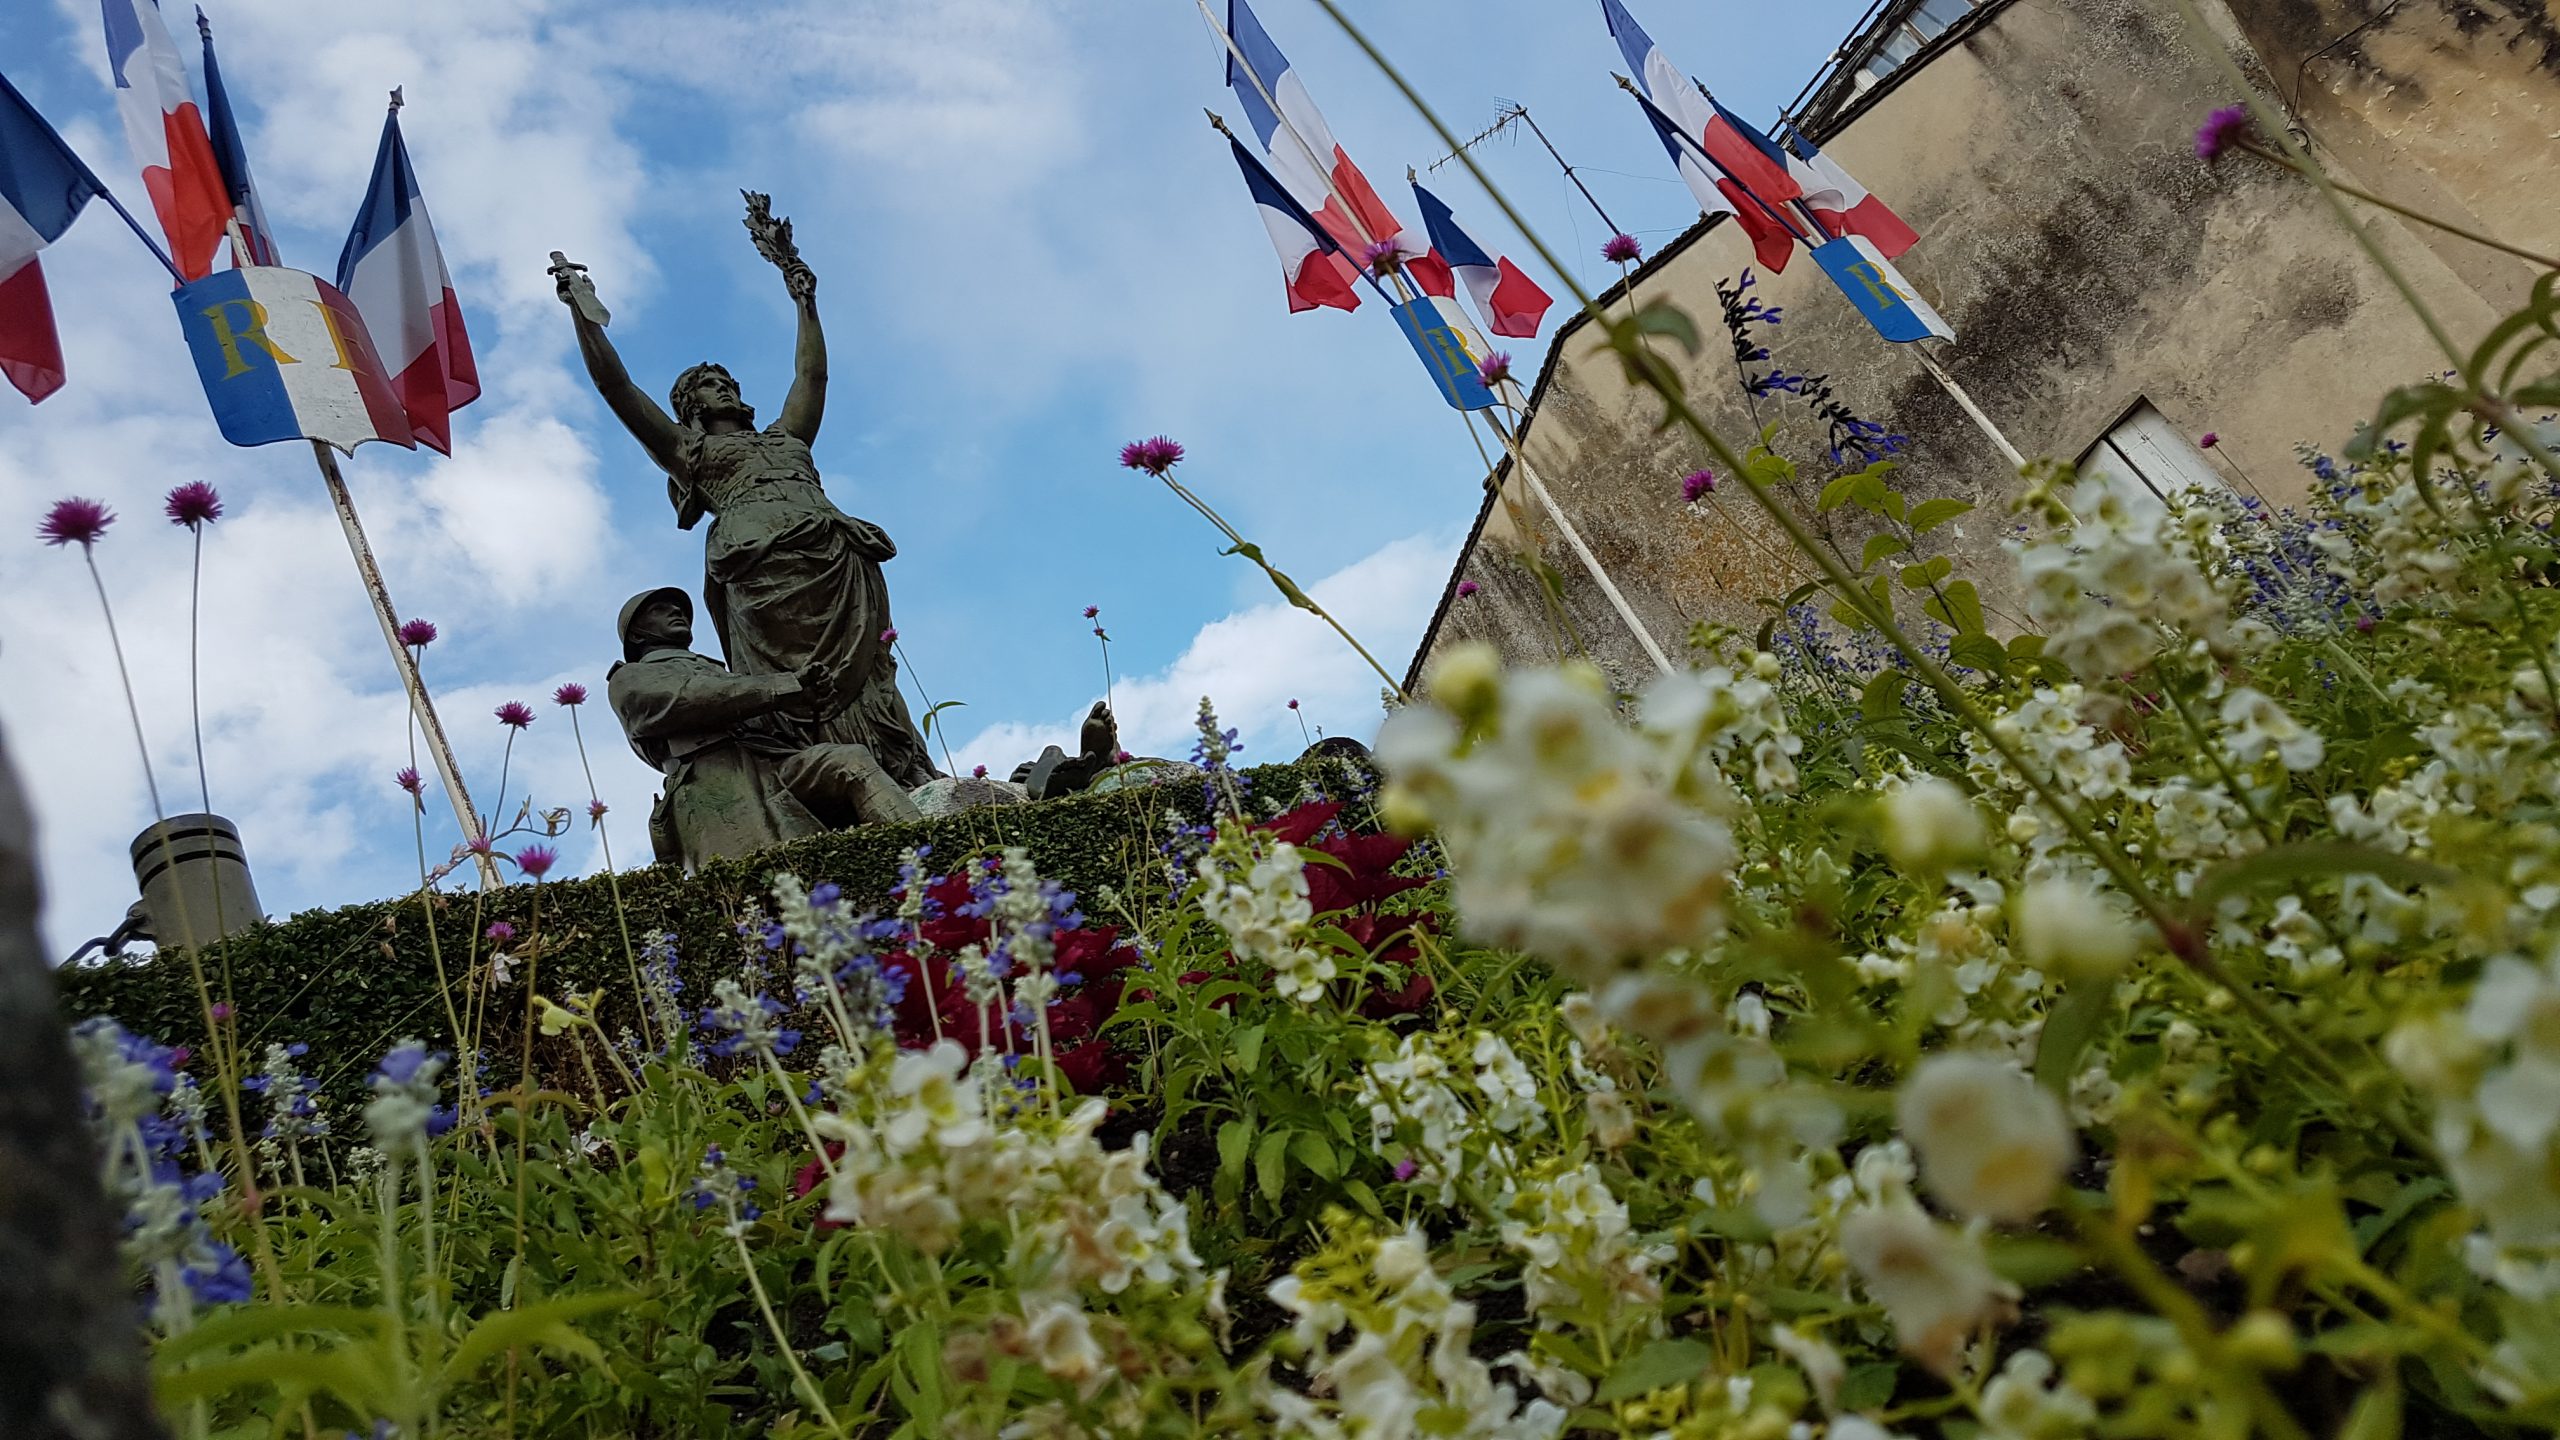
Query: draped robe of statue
(789, 579)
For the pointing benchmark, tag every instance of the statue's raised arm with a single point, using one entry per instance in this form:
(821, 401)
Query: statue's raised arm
(806, 405)
(656, 431)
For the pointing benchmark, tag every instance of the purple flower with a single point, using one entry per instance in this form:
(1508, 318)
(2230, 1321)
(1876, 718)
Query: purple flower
(595, 811)
(75, 522)
(1697, 483)
(536, 860)
(1293, 704)
(478, 845)
(417, 634)
(222, 1010)
(1494, 368)
(2209, 440)
(980, 773)
(1119, 757)
(572, 693)
(515, 714)
(1155, 455)
(1405, 1169)
(1467, 588)
(1621, 249)
(1379, 258)
(499, 932)
(407, 779)
(889, 636)
(194, 504)
(2220, 129)
(1090, 611)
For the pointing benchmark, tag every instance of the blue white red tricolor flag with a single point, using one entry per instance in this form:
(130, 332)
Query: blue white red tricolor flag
(284, 356)
(1510, 303)
(394, 272)
(167, 134)
(1843, 205)
(1696, 115)
(1304, 157)
(42, 187)
(232, 156)
(1311, 261)
(1773, 240)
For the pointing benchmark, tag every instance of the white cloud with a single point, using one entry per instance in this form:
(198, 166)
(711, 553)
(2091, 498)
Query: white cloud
(1250, 664)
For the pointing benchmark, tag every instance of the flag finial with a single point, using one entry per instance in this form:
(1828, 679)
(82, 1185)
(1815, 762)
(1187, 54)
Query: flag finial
(204, 27)
(396, 101)
(1218, 123)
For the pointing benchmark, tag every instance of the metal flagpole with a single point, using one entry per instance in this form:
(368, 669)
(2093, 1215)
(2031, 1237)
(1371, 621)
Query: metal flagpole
(1325, 172)
(1573, 538)
(411, 681)
(1964, 402)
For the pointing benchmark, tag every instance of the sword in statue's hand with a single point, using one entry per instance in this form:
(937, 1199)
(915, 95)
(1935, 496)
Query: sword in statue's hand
(578, 290)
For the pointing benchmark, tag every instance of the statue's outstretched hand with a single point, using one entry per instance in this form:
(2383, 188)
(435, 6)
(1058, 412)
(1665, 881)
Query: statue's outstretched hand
(800, 280)
(821, 689)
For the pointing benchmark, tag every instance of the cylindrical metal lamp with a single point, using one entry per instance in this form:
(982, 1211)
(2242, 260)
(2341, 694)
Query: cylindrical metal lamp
(195, 886)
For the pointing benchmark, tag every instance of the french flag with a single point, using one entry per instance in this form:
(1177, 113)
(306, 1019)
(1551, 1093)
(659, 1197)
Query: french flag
(167, 134)
(1323, 192)
(1726, 140)
(1843, 205)
(1510, 302)
(395, 274)
(1773, 241)
(232, 156)
(42, 187)
(1311, 261)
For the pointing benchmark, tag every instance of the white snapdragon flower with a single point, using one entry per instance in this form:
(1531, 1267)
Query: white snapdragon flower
(1928, 825)
(2113, 587)
(2065, 926)
(1510, 1091)
(2493, 1072)
(1934, 1283)
(2026, 1401)
(1992, 1143)
(1262, 904)
(1060, 1340)
(2255, 725)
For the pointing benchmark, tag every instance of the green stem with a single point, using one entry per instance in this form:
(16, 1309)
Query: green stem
(781, 1339)
(1283, 583)
(2403, 211)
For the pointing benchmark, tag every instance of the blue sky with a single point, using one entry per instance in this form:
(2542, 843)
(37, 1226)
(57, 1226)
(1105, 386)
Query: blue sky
(1031, 248)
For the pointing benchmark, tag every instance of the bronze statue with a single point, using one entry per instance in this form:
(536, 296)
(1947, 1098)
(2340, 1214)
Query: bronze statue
(789, 580)
(737, 778)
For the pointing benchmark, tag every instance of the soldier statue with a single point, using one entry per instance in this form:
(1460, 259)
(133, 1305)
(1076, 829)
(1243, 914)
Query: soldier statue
(790, 581)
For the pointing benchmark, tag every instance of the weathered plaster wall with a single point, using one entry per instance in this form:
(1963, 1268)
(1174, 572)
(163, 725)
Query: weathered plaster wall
(2087, 260)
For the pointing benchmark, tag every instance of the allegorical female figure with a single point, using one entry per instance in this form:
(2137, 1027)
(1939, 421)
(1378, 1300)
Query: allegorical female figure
(789, 580)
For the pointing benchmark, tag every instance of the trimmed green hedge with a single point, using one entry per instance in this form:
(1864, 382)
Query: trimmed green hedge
(349, 982)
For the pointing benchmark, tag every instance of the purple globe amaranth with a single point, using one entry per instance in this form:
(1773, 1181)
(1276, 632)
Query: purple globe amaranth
(417, 634)
(537, 860)
(407, 779)
(75, 521)
(499, 932)
(515, 714)
(1380, 257)
(194, 504)
(1494, 368)
(596, 810)
(1621, 249)
(572, 693)
(1156, 455)
(2208, 441)
(1091, 611)
(1697, 484)
(889, 636)
(1467, 588)
(2220, 129)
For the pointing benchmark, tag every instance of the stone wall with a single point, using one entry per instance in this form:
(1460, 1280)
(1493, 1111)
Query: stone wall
(2088, 260)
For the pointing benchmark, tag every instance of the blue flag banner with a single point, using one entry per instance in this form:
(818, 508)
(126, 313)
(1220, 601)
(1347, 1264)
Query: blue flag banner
(284, 356)
(1879, 291)
(1440, 338)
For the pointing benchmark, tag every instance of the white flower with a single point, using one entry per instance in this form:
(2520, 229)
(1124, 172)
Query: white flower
(1928, 825)
(1260, 901)
(1061, 1341)
(1991, 1142)
(2066, 926)
(1933, 1282)
(2254, 725)
(2025, 1402)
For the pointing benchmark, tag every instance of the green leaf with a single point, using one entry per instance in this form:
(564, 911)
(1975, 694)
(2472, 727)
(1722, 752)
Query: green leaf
(545, 1323)
(2068, 1028)
(1271, 1164)
(1878, 547)
(1957, 605)
(2032, 1262)
(1246, 1052)
(244, 1324)
(1979, 652)
(1661, 317)
(1234, 1138)
(1893, 502)
(1835, 494)
(1658, 1366)
(2376, 1415)
(1316, 1153)
(356, 1375)
(1882, 699)
(1930, 514)
(1869, 1386)
(2312, 860)
(1927, 573)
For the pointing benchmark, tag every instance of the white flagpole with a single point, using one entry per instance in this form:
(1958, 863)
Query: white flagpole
(1325, 172)
(420, 705)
